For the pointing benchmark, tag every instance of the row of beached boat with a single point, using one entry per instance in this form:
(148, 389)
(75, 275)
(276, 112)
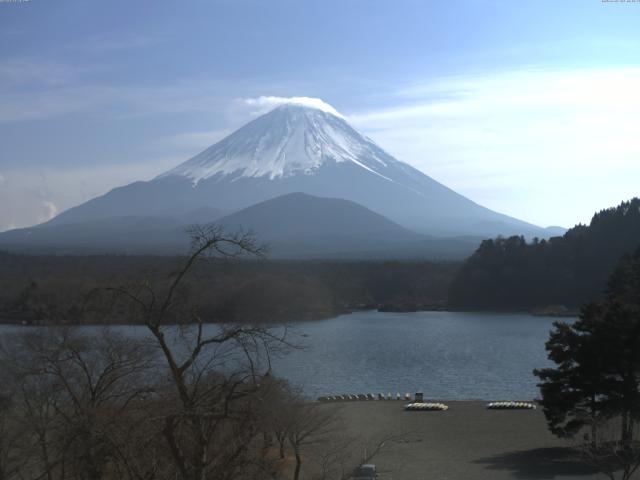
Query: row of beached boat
(418, 404)
(364, 396)
(426, 406)
(511, 405)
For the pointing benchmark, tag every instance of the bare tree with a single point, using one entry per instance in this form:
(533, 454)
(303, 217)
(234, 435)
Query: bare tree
(10, 436)
(309, 424)
(214, 370)
(187, 401)
(335, 461)
(70, 392)
(315, 435)
(342, 454)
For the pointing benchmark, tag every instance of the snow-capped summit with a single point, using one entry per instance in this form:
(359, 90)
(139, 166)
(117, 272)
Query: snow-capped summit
(303, 145)
(292, 139)
(266, 103)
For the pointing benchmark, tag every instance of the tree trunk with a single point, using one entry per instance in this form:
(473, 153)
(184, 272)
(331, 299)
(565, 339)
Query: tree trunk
(266, 440)
(45, 456)
(296, 473)
(594, 422)
(281, 441)
(625, 437)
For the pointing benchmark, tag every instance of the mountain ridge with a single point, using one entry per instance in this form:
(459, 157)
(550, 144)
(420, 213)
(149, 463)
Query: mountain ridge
(294, 148)
(295, 225)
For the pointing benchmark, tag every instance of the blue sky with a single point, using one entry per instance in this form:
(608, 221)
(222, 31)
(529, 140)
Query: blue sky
(531, 108)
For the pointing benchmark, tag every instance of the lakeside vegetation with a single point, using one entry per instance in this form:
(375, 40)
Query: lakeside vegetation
(513, 274)
(554, 276)
(57, 289)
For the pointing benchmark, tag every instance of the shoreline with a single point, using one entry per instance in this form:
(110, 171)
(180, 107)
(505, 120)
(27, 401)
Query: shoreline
(381, 309)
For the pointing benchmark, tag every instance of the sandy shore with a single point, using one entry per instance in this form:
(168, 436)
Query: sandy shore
(465, 442)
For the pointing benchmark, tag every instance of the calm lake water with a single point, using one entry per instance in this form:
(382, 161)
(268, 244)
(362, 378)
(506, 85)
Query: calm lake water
(446, 355)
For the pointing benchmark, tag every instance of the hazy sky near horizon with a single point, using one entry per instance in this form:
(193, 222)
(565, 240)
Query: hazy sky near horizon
(529, 108)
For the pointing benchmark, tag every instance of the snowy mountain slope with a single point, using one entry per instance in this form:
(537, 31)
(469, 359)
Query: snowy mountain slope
(290, 140)
(296, 148)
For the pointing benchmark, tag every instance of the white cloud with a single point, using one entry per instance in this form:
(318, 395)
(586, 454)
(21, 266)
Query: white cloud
(548, 146)
(49, 210)
(265, 103)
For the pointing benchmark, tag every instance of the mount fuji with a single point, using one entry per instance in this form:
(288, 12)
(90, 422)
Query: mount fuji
(295, 148)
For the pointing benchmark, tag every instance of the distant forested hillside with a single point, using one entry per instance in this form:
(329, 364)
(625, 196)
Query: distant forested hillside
(509, 273)
(56, 289)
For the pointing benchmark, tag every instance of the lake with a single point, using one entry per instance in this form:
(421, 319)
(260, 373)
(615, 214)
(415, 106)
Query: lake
(446, 355)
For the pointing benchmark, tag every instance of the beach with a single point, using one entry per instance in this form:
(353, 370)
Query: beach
(465, 442)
